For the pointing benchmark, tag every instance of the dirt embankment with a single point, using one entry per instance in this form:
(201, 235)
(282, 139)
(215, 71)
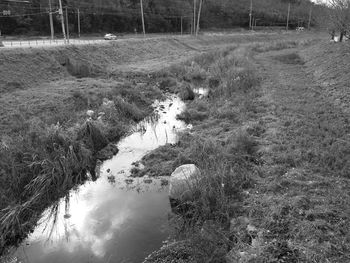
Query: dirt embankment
(23, 68)
(329, 64)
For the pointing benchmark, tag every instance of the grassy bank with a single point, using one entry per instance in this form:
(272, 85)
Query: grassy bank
(52, 145)
(273, 152)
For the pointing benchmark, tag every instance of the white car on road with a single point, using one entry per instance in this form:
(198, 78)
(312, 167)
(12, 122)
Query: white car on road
(110, 37)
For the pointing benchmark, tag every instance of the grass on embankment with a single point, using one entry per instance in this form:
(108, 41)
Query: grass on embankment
(225, 152)
(250, 206)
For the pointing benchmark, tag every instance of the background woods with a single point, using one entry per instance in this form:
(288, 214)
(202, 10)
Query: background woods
(98, 16)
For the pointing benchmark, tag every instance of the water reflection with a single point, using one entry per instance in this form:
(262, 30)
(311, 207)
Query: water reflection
(116, 218)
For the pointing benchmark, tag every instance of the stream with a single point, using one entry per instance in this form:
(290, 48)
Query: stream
(116, 218)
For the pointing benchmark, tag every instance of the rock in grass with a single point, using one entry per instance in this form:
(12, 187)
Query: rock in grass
(182, 181)
(90, 113)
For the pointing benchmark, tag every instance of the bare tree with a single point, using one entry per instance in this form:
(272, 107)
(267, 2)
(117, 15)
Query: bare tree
(340, 16)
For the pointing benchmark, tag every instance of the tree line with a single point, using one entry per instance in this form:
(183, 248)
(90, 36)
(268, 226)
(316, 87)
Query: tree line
(98, 16)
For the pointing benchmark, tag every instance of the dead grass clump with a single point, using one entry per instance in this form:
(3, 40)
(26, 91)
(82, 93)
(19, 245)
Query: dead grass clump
(160, 162)
(11, 86)
(195, 73)
(78, 69)
(167, 84)
(277, 45)
(128, 110)
(81, 101)
(186, 92)
(242, 144)
(237, 81)
(142, 97)
(221, 67)
(227, 111)
(292, 58)
(192, 115)
(92, 137)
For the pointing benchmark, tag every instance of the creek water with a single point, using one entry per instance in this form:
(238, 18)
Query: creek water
(116, 218)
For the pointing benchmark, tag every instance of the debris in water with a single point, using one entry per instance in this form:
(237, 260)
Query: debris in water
(111, 179)
(147, 180)
(189, 126)
(66, 216)
(164, 182)
(129, 181)
(121, 172)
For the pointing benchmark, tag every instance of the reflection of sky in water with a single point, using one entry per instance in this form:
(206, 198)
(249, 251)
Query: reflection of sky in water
(110, 222)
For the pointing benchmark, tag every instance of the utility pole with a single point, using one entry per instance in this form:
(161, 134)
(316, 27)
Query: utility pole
(310, 14)
(199, 16)
(51, 21)
(62, 21)
(194, 16)
(67, 24)
(287, 27)
(181, 26)
(78, 23)
(250, 14)
(143, 19)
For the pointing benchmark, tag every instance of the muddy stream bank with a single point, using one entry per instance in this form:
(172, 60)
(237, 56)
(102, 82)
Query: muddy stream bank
(117, 218)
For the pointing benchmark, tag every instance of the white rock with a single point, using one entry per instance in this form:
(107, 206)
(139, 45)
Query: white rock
(182, 181)
(189, 126)
(90, 113)
(107, 102)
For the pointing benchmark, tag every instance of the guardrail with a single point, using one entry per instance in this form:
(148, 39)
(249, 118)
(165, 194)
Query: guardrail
(46, 42)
